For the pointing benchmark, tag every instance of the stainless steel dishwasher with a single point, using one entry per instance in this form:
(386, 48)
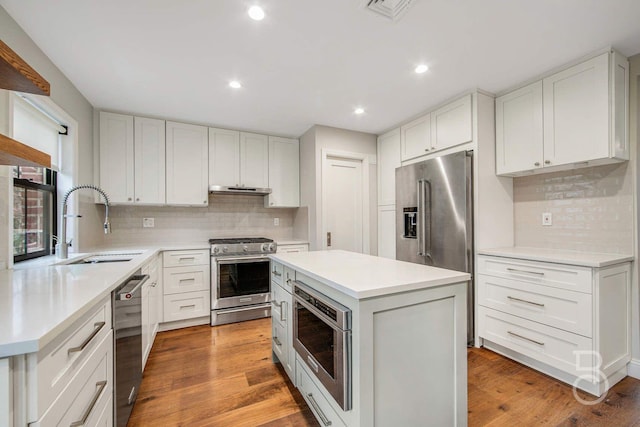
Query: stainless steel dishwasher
(127, 325)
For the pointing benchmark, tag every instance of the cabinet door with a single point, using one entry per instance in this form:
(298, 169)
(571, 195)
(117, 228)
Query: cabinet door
(149, 161)
(117, 157)
(224, 157)
(254, 160)
(415, 138)
(388, 161)
(452, 124)
(387, 231)
(519, 130)
(187, 164)
(284, 173)
(146, 326)
(576, 113)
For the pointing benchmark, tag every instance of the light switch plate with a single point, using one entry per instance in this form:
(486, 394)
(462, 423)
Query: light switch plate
(547, 218)
(148, 222)
(276, 221)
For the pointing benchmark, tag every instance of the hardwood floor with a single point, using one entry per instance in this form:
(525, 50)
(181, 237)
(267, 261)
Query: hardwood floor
(223, 376)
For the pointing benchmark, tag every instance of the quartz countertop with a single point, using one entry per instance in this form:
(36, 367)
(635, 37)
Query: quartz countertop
(585, 259)
(364, 276)
(41, 298)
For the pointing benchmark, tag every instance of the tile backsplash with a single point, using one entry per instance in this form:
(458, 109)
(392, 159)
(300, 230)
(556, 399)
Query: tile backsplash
(226, 216)
(592, 209)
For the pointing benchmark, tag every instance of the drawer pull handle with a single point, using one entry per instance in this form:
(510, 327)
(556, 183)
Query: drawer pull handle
(191, 279)
(525, 338)
(515, 270)
(276, 273)
(321, 414)
(187, 306)
(282, 306)
(277, 341)
(97, 327)
(525, 301)
(189, 258)
(101, 385)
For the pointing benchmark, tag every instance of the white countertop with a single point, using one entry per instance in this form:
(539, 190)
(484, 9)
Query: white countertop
(585, 259)
(39, 299)
(365, 276)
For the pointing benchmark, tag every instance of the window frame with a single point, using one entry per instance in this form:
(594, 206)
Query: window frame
(50, 229)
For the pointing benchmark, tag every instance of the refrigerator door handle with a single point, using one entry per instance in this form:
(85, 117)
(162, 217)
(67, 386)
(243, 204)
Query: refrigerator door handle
(424, 218)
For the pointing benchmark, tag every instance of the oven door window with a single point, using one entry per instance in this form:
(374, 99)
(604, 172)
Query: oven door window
(320, 339)
(238, 278)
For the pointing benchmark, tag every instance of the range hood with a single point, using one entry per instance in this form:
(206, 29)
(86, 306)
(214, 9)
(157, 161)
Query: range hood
(220, 189)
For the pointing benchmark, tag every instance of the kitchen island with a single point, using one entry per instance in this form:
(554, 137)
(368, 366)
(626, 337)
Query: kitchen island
(402, 360)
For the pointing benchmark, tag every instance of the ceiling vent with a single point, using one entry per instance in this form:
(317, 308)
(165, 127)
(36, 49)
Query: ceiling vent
(392, 9)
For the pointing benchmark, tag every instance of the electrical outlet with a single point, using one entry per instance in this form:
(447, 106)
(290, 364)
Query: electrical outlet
(547, 218)
(276, 221)
(148, 222)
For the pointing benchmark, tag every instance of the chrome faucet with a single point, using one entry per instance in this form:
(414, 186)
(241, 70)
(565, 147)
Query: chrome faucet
(63, 245)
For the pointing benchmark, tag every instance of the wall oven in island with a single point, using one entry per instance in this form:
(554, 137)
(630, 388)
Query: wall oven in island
(240, 279)
(322, 338)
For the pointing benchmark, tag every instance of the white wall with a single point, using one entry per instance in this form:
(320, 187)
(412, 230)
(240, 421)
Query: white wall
(67, 97)
(634, 140)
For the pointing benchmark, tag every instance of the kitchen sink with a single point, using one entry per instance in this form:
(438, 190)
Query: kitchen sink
(103, 258)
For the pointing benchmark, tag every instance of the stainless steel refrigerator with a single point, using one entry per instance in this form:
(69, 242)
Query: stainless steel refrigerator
(434, 216)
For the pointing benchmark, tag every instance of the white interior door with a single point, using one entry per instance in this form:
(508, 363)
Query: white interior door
(343, 204)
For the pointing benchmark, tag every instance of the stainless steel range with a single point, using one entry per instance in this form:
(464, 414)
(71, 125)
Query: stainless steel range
(240, 279)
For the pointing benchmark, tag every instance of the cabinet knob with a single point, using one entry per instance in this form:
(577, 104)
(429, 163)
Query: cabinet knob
(547, 162)
(426, 149)
(137, 199)
(536, 164)
(271, 203)
(129, 199)
(205, 202)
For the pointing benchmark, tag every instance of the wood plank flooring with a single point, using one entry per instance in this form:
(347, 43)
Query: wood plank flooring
(223, 376)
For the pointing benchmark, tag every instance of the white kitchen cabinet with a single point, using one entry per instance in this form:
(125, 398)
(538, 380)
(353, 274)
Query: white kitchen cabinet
(284, 173)
(187, 164)
(254, 160)
(186, 285)
(224, 157)
(415, 138)
(519, 130)
(387, 231)
(117, 157)
(150, 308)
(132, 159)
(149, 153)
(293, 247)
(282, 317)
(452, 124)
(388, 161)
(571, 322)
(584, 119)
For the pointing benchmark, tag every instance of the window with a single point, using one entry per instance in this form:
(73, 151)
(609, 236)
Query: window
(34, 212)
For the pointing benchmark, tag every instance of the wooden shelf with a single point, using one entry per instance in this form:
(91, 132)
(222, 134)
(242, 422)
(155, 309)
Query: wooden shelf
(14, 153)
(16, 74)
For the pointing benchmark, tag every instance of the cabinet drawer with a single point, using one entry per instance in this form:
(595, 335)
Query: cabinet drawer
(88, 392)
(59, 361)
(552, 346)
(179, 258)
(561, 276)
(318, 403)
(280, 304)
(279, 340)
(293, 248)
(289, 276)
(277, 270)
(555, 307)
(186, 306)
(186, 279)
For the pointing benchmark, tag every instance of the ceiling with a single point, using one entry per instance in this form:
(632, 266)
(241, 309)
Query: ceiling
(311, 62)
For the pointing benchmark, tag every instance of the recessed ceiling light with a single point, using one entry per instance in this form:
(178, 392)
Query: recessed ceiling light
(359, 111)
(235, 84)
(256, 13)
(422, 68)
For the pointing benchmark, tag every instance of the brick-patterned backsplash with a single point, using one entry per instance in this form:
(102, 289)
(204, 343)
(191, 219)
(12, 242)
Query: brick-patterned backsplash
(226, 216)
(592, 209)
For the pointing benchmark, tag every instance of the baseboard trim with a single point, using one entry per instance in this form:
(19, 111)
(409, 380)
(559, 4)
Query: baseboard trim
(179, 324)
(633, 369)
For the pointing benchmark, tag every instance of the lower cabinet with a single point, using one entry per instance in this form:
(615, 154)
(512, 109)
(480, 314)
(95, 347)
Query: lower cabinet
(293, 247)
(186, 285)
(282, 317)
(315, 398)
(151, 307)
(569, 321)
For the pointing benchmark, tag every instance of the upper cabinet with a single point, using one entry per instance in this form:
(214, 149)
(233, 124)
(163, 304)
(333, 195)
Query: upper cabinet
(284, 173)
(254, 160)
(132, 159)
(448, 126)
(574, 118)
(238, 159)
(187, 164)
(388, 161)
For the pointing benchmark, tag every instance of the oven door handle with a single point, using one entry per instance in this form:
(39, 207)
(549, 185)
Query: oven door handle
(320, 315)
(243, 260)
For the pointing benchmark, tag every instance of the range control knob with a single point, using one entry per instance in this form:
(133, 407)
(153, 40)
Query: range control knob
(225, 249)
(216, 249)
(272, 247)
(245, 248)
(264, 247)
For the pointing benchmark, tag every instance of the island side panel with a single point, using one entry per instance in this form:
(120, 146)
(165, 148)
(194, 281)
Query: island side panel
(413, 359)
